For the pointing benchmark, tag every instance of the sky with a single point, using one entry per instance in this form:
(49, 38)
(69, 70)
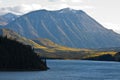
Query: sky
(106, 12)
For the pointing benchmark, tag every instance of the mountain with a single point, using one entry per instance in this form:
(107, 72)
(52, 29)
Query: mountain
(67, 27)
(44, 44)
(15, 36)
(16, 56)
(7, 18)
(47, 48)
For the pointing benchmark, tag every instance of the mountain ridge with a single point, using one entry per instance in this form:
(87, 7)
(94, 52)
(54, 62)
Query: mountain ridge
(7, 18)
(71, 28)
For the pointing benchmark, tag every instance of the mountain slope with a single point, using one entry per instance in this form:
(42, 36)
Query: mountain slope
(15, 36)
(47, 48)
(68, 27)
(16, 56)
(7, 18)
(44, 44)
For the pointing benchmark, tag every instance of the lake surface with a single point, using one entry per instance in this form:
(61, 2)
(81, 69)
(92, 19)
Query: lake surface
(70, 70)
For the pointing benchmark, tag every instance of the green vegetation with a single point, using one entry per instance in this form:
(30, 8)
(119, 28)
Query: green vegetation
(104, 57)
(117, 56)
(16, 56)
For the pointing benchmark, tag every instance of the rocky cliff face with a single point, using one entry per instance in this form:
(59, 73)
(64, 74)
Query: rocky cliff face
(68, 27)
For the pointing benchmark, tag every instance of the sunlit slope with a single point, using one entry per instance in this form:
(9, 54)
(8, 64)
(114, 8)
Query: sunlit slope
(49, 49)
(15, 36)
(56, 51)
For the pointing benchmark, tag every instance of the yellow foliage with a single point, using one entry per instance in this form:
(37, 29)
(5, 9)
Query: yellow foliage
(98, 53)
(35, 45)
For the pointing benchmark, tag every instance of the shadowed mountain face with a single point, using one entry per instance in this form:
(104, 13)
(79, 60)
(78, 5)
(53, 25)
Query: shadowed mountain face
(7, 18)
(15, 36)
(16, 56)
(44, 44)
(68, 27)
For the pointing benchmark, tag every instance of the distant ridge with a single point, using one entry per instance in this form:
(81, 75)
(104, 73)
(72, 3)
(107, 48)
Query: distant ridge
(68, 27)
(7, 18)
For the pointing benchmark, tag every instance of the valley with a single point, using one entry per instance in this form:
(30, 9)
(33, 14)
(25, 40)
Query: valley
(63, 34)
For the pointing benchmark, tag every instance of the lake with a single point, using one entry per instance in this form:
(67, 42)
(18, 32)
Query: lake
(70, 70)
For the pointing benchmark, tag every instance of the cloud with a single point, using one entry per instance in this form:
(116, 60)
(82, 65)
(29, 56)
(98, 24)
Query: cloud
(76, 1)
(82, 7)
(0, 2)
(74, 4)
(115, 27)
(52, 0)
(65, 1)
(20, 9)
(46, 4)
(55, 6)
(59, 4)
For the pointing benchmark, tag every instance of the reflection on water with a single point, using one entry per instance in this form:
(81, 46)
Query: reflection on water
(70, 70)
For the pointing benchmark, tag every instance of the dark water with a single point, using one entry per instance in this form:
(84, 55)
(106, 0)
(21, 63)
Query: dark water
(70, 70)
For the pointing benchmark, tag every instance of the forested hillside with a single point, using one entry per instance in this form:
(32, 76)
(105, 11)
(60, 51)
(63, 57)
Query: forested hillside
(16, 56)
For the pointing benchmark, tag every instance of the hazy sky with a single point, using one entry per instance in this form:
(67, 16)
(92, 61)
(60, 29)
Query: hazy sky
(107, 12)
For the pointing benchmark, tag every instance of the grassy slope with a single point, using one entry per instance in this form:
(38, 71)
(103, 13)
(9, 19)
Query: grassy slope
(53, 50)
(47, 48)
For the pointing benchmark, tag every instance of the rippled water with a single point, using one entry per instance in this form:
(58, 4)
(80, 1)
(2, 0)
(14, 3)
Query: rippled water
(70, 70)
